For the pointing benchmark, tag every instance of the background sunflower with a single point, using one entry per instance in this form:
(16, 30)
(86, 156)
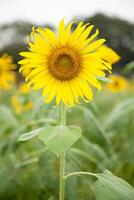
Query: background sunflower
(118, 84)
(7, 75)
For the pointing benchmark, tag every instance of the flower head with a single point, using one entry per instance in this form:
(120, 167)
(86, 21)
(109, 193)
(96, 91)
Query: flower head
(23, 88)
(7, 76)
(20, 100)
(16, 104)
(65, 65)
(118, 84)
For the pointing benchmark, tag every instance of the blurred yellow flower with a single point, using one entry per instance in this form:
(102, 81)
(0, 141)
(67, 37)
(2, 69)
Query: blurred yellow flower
(28, 106)
(66, 65)
(108, 54)
(23, 88)
(118, 84)
(7, 75)
(16, 104)
(22, 93)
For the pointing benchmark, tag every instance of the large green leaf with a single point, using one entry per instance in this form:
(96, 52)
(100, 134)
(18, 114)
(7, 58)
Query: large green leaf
(60, 138)
(110, 187)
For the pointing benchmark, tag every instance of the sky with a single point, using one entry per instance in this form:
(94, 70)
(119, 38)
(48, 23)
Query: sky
(51, 11)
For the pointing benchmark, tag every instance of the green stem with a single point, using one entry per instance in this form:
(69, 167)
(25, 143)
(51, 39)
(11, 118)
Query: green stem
(62, 156)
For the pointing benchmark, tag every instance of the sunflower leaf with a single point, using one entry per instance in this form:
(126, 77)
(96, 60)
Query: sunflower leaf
(60, 138)
(111, 187)
(30, 135)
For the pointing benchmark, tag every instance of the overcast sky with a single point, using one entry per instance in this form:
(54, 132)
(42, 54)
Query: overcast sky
(51, 11)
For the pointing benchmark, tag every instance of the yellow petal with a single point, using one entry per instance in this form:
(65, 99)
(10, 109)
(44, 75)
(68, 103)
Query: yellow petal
(67, 33)
(61, 30)
(83, 37)
(90, 39)
(49, 36)
(86, 90)
(68, 94)
(93, 46)
(76, 34)
(108, 54)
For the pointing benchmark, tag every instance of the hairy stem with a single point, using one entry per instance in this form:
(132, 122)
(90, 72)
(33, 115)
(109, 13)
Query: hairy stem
(62, 156)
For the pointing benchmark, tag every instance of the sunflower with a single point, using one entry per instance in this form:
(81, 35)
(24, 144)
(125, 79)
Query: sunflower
(18, 106)
(7, 76)
(118, 84)
(20, 100)
(65, 65)
(23, 88)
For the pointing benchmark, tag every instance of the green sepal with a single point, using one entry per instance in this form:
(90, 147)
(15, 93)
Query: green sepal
(103, 79)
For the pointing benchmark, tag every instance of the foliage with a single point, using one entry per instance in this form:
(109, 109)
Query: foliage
(29, 170)
(111, 187)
